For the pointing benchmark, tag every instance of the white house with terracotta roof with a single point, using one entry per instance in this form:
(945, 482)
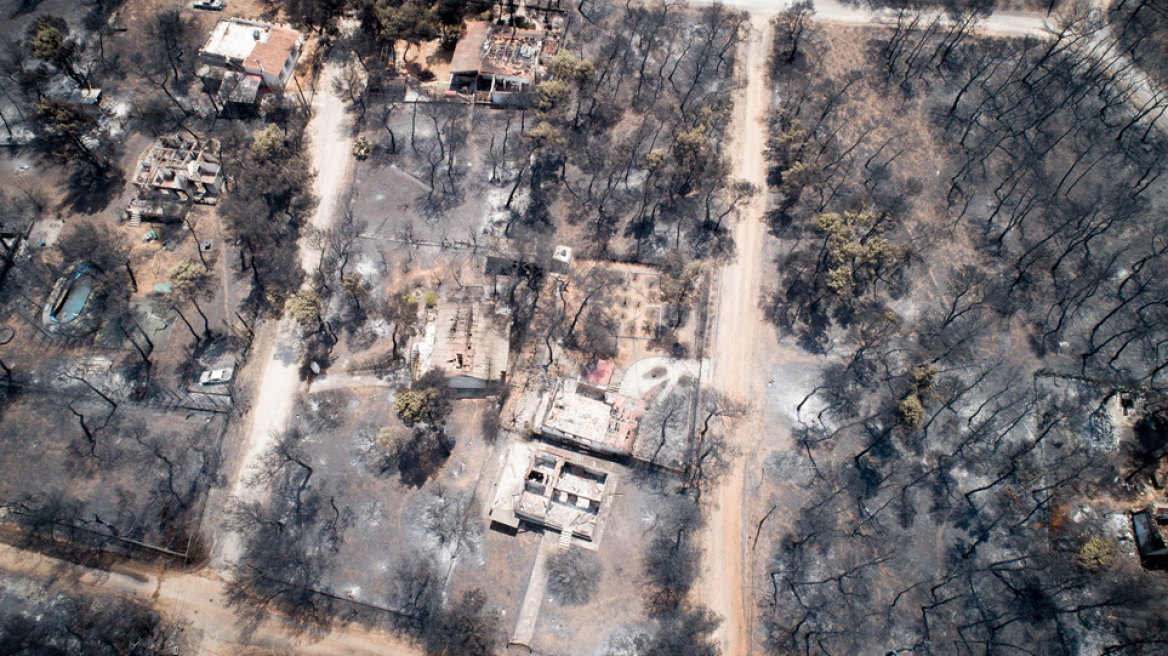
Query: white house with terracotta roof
(267, 51)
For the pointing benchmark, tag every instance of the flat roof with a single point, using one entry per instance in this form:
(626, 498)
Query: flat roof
(235, 39)
(260, 46)
(611, 423)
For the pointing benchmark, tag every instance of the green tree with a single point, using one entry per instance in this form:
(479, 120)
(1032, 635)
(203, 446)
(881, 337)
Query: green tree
(304, 308)
(911, 410)
(64, 133)
(566, 66)
(270, 144)
(191, 281)
(656, 159)
(1096, 553)
(47, 38)
(923, 377)
(544, 135)
(553, 93)
(425, 401)
(856, 253)
(417, 405)
(354, 287)
(394, 20)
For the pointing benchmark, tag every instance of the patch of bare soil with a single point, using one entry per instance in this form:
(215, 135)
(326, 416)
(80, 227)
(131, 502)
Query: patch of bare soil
(737, 327)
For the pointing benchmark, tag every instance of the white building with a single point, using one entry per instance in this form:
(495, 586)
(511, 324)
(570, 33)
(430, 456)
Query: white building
(267, 51)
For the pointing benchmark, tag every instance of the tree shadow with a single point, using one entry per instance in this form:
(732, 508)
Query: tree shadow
(22, 7)
(87, 192)
(424, 458)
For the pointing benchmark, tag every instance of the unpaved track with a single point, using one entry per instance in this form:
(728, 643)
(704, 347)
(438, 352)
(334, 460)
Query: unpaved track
(724, 587)
(1139, 89)
(735, 372)
(331, 134)
(331, 147)
(198, 599)
(1003, 23)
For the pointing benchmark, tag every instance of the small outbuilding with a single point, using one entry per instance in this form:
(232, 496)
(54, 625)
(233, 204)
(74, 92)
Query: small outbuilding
(1150, 526)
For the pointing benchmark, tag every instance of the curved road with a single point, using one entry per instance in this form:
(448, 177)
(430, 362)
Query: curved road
(1004, 23)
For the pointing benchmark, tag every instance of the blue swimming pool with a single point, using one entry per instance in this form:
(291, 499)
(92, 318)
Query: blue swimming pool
(74, 296)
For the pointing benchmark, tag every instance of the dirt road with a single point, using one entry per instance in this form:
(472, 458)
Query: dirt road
(736, 330)
(198, 599)
(331, 134)
(1140, 91)
(1005, 23)
(725, 585)
(331, 148)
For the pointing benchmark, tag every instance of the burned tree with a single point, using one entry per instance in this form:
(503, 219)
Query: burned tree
(573, 576)
(290, 536)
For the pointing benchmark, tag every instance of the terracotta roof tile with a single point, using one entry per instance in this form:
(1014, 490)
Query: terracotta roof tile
(271, 55)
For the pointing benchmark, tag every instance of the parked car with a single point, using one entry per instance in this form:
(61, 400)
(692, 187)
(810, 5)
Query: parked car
(211, 5)
(216, 376)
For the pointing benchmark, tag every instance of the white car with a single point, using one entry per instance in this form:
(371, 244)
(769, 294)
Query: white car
(216, 376)
(213, 5)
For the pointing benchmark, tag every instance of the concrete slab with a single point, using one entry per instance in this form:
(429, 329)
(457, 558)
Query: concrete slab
(536, 589)
(643, 375)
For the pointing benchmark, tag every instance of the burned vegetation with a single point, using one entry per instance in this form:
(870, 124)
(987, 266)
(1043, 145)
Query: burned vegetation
(485, 254)
(967, 231)
(128, 290)
(36, 618)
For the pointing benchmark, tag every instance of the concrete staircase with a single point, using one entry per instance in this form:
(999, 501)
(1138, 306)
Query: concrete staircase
(614, 383)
